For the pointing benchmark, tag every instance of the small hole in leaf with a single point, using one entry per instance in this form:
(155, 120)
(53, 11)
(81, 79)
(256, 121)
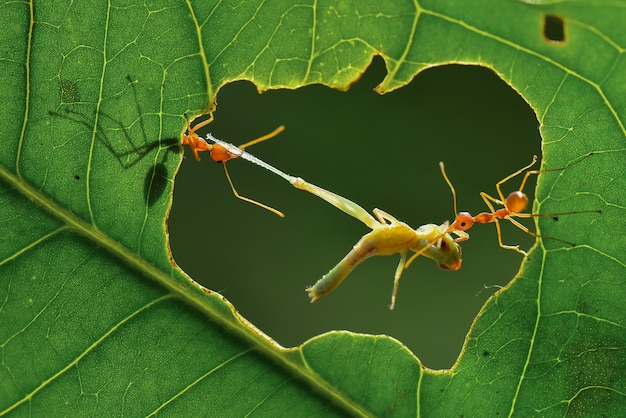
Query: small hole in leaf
(554, 29)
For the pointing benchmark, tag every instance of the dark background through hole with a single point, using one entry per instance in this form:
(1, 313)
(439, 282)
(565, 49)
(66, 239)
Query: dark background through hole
(379, 151)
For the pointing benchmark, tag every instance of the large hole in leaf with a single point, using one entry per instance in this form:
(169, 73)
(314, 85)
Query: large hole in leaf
(379, 151)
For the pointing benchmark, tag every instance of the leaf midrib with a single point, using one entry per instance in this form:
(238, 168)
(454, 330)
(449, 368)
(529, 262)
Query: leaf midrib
(188, 292)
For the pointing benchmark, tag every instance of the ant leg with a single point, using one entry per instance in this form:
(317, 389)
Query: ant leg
(254, 202)
(422, 251)
(443, 230)
(445, 177)
(510, 247)
(534, 234)
(509, 177)
(460, 235)
(488, 199)
(199, 125)
(263, 138)
(533, 172)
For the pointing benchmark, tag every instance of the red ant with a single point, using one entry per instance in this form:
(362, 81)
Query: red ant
(222, 152)
(513, 207)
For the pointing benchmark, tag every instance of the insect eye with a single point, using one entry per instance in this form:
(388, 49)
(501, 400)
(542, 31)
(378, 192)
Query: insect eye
(464, 220)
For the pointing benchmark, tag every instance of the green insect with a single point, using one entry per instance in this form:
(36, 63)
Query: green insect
(388, 236)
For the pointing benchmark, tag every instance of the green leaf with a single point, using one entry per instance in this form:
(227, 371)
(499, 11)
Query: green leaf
(96, 317)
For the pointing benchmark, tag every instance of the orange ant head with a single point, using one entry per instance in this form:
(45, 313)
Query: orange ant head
(516, 201)
(192, 139)
(196, 144)
(188, 139)
(463, 221)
